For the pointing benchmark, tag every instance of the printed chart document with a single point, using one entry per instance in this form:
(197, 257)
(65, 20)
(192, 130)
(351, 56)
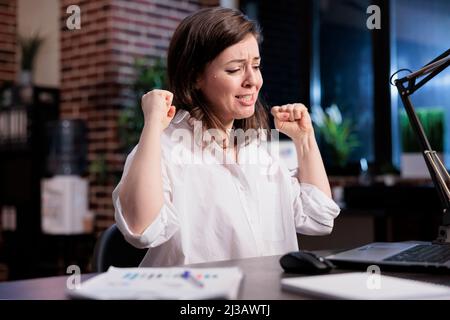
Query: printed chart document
(360, 286)
(161, 283)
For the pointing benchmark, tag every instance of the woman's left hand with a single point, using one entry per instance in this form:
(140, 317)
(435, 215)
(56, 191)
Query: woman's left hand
(293, 120)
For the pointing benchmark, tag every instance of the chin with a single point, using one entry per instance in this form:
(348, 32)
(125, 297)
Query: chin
(245, 114)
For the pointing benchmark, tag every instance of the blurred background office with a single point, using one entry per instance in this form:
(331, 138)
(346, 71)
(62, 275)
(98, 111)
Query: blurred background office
(72, 73)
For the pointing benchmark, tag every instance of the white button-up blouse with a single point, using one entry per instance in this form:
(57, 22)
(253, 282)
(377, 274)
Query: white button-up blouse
(217, 209)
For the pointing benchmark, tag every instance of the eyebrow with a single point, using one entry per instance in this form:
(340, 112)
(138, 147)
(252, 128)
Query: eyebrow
(242, 60)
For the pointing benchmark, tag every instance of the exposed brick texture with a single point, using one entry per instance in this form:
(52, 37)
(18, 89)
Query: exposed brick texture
(97, 73)
(8, 43)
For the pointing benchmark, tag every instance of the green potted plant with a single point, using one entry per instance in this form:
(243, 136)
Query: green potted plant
(99, 168)
(29, 47)
(131, 119)
(335, 132)
(433, 121)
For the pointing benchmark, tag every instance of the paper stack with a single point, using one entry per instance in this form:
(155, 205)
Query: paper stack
(161, 283)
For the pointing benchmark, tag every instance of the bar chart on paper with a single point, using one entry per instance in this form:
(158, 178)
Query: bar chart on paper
(161, 283)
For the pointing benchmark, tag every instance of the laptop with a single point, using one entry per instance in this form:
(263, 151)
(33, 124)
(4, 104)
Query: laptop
(410, 255)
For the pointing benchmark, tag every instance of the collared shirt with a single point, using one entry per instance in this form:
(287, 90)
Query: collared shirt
(218, 209)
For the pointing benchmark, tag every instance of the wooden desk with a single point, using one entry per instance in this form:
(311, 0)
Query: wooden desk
(261, 281)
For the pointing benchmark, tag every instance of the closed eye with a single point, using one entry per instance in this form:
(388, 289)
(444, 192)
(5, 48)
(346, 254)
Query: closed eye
(258, 67)
(233, 71)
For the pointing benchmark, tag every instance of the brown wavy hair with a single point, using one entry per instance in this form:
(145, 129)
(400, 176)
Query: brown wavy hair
(198, 40)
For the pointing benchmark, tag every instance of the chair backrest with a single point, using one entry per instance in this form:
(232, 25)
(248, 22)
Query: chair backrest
(112, 249)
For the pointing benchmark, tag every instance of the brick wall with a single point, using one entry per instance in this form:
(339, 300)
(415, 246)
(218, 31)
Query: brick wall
(8, 27)
(97, 72)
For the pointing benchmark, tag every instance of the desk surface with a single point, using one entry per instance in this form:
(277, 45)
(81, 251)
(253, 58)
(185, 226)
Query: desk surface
(261, 281)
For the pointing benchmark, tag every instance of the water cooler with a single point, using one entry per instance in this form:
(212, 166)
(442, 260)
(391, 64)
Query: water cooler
(64, 190)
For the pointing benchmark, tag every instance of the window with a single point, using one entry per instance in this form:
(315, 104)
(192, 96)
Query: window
(322, 53)
(343, 72)
(284, 50)
(420, 33)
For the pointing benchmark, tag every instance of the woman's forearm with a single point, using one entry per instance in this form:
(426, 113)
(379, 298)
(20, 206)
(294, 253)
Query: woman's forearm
(310, 164)
(141, 193)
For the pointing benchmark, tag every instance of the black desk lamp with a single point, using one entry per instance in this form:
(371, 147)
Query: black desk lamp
(407, 86)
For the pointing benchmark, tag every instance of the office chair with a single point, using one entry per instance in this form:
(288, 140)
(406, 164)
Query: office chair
(112, 249)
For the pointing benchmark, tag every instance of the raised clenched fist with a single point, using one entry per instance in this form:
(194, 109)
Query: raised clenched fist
(157, 108)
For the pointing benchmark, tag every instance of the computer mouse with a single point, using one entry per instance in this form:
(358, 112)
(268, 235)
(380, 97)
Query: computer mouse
(305, 262)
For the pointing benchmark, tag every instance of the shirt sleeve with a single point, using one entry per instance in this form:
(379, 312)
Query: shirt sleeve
(162, 228)
(314, 211)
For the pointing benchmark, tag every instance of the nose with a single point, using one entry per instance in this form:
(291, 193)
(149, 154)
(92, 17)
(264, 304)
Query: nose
(251, 78)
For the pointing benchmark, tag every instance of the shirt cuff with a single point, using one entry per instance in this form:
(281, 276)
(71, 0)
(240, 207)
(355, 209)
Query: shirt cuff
(324, 206)
(149, 237)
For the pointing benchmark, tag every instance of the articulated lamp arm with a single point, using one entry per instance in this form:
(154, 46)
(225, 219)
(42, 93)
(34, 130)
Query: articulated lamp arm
(406, 86)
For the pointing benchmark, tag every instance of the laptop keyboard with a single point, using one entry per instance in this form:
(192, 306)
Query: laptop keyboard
(434, 253)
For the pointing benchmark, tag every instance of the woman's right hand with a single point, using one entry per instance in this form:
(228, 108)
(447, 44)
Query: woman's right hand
(157, 108)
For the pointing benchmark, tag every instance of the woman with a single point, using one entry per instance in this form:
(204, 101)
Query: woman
(197, 207)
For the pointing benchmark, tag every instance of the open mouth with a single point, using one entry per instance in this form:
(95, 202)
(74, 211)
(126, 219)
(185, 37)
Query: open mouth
(246, 100)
